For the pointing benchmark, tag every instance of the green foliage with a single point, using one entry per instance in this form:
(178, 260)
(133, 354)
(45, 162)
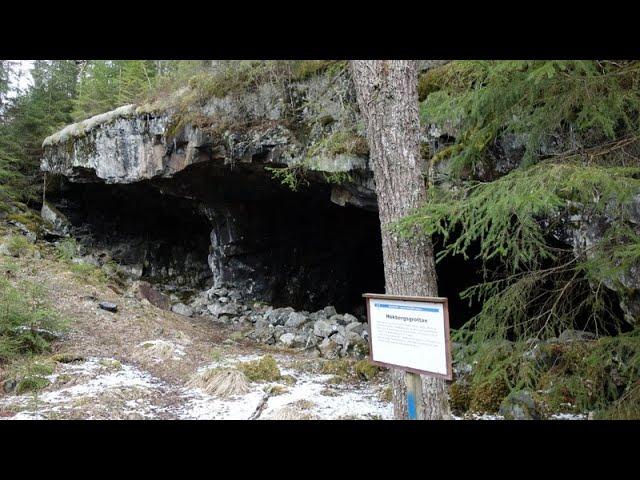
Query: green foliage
(31, 384)
(366, 371)
(263, 370)
(27, 119)
(31, 375)
(22, 313)
(345, 370)
(533, 286)
(88, 273)
(106, 84)
(17, 245)
(66, 249)
(207, 79)
(340, 142)
(337, 178)
(627, 407)
(590, 100)
(27, 217)
(186, 85)
(579, 376)
(291, 177)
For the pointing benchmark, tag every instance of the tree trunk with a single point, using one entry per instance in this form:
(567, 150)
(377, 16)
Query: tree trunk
(388, 99)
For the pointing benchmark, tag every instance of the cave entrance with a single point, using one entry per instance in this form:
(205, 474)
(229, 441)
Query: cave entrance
(285, 248)
(455, 274)
(158, 238)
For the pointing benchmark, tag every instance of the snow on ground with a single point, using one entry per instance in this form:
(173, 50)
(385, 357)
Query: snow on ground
(104, 388)
(93, 380)
(569, 416)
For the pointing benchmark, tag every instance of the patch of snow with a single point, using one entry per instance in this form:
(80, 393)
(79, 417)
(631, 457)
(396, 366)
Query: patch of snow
(200, 406)
(80, 128)
(349, 401)
(99, 385)
(99, 382)
(568, 416)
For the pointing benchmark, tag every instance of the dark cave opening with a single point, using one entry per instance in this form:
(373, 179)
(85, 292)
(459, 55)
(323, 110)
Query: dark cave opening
(202, 229)
(285, 248)
(455, 274)
(162, 238)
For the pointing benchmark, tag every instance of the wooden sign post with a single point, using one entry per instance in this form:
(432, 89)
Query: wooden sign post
(410, 334)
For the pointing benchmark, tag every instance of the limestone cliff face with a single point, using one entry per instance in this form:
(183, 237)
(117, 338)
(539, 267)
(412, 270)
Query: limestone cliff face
(281, 246)
(299, 125)
(117, 147)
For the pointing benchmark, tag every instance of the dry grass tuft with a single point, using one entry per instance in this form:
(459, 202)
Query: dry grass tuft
(295, 411)
(223, 383)
(156, 351)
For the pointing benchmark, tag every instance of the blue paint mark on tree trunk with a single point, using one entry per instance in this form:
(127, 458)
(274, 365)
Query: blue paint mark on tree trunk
(411, 406)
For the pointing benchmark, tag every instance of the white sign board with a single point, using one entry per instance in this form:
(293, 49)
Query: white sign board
(410, 333)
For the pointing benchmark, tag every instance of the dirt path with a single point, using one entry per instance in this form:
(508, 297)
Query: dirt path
(136, 364)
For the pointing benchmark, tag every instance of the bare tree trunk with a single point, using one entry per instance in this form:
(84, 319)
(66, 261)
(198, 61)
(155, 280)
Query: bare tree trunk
(388, 99)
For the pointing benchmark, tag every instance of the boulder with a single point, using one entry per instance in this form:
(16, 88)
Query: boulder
(264, 335)
(329, 349)
(287, 339)
(108, 306)
(569, 336)
(339, 338)
(235, 295)
(349, 318)
(144, 290)
(305, 340)
(329, 311)
(278, 330)
(322, 328)
(31, 237)
(337, 319)
(519, 406)
(9, 385)
(133, 271)
(278, 316)
(59, 222)
(182, 309)
(262, 324)
(355, 346)
(218, 309)
(296, 320)
(42, 332)
(355, 327)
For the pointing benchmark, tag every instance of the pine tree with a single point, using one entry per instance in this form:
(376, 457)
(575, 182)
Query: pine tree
(28, 119)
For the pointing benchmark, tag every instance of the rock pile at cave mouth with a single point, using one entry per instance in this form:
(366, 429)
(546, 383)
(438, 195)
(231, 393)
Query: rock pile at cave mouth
(325, 332)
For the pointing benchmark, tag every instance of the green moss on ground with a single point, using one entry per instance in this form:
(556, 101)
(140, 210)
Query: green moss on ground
(263, 370)
(18, 245)
(365, 370)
